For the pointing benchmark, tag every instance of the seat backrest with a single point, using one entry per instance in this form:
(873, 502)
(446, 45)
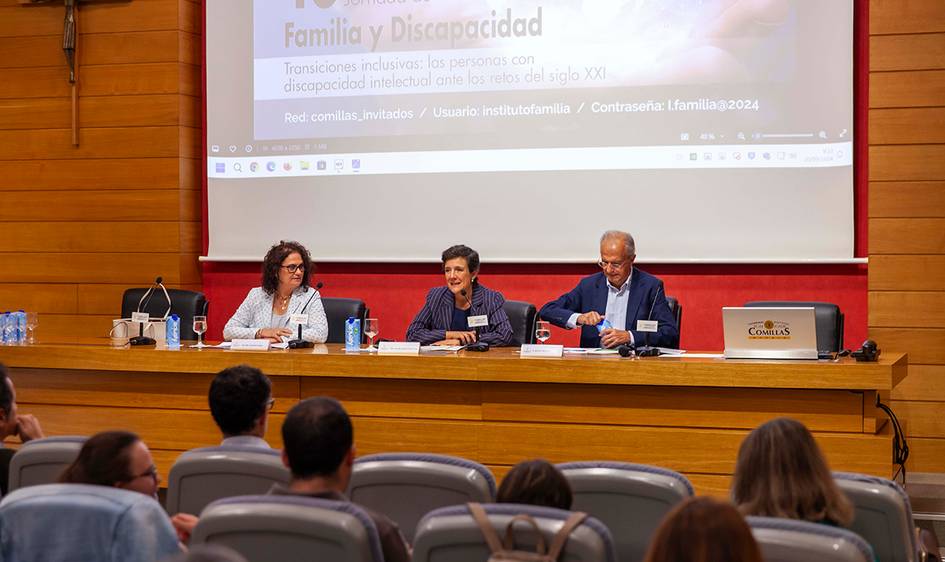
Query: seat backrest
(522, 318)
(790, 540)
(631, 499)
(41, 461)
(201, 476)
(676, 309)
(290, 529)
(337, 311)
(84, 522)
(828, 317)
(450, 534)
(883, 515)
(184, 303)
(406, 486)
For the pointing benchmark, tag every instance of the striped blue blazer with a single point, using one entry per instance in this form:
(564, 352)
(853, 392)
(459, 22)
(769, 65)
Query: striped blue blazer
(432, 322)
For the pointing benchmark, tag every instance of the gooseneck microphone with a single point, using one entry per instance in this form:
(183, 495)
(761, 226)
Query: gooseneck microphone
(626, 349)
(143, 302)
(476, 345)
(299, 343)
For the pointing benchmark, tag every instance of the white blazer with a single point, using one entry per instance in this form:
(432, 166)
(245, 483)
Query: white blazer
(256, 313)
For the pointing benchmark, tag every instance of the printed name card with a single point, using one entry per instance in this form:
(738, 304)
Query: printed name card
(647, 325)
(398, 348)
(298, 319)
(250, 345)
(140, 317)
(478, 321)
(539, 350)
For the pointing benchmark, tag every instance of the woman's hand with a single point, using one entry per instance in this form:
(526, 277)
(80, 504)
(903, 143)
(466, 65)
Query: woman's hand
(273, 334)
(462, 338)
(184, 524)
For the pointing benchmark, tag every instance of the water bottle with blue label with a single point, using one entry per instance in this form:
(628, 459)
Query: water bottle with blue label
(20, 316)
(6, 332)
(352, 334)
(173, 332)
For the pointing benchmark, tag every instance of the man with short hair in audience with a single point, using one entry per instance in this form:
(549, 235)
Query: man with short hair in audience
(318, 441)
(240, 400)
(25, 426)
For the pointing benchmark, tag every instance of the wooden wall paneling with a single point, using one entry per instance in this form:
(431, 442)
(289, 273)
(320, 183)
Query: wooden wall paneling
(908, 162)
(106, 299)
(912, 235)
(925, 382)
(92, 236)
(190, 109)
(38, 298)
(924, 419)
(446, 400)
(109, 205)
(116, 142)
(380, 435)
(916, 88)
(906, 16)
(922, 125)
(93, 49)
(906, 272)
(897, 199)
(94, 174)
(150, 15)
(191, 237)
(925, 345)
(56, 324)
(88, 267)
(925, 455)
(190, 172)
(914, 308)
(907, 52)
(189, 205)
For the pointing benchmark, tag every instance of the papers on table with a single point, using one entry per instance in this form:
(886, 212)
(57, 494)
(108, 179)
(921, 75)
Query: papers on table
(589, 351)
(443, 348)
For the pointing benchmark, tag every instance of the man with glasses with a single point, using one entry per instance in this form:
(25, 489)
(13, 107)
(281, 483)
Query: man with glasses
(240, 401)
(24, 426)
(607, 305)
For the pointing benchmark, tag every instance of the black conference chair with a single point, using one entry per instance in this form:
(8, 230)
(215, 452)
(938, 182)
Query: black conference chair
(338, 310)
(676, 309)
(828, 317)
(522, 318)
(184, 303)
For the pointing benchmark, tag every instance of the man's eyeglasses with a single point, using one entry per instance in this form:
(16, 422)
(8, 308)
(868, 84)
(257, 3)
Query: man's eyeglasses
(614, 264)
(151, 472)
(270, 403)
(293, 267)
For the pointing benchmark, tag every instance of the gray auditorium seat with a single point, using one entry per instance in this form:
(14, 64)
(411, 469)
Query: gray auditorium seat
(790, 540)
(406, 486)
(290, 529)
(883, 515)
(450, 534)
(41, 461)
(631, 499)
(200, 476)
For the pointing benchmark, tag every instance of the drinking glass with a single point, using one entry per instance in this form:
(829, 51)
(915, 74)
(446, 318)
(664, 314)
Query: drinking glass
(32, 321)
(542, 330)
(370, 330)
(200, 326)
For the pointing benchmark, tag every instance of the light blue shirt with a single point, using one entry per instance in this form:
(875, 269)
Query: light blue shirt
(616, 310)
(245, 441)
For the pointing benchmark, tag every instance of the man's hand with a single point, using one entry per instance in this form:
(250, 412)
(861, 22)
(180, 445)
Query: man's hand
(463, 337)
(184, 524)
(27, 427)
(447, 342)
(612, 337)
(273, 334)
(591, 318)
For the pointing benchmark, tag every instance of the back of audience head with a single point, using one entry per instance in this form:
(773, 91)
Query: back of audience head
(781, 472)
(703, 530)
(239, 401)
(535, 482)
(7, 404)
(318, 440)
(114, 458)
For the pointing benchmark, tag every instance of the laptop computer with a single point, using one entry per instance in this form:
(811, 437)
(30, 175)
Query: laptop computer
(769, 333)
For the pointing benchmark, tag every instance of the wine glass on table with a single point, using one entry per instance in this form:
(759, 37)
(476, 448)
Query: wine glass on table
(542, 331)
(32, 321)
(200, 326)
(370, 330)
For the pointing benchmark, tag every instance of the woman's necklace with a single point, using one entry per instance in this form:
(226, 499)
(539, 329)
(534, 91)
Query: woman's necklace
(283, 303)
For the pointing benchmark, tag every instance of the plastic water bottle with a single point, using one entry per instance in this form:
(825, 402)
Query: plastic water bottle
(173, 332)
(20, 316)
(352, 334)
(6, 329)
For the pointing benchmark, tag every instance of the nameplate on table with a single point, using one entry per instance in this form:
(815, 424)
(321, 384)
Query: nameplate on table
(140, 317)
(541, 350)
(478, 321)
(298, 319)
(398, 348)
(647, 325)
(250, 345)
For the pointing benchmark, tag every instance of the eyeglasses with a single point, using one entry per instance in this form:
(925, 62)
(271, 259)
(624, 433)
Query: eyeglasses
(614, 264)
(151, 472)
(293, 267)
(270, 403)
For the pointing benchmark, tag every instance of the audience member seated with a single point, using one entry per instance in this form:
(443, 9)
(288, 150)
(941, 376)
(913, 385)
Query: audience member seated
(781, 472)
(535, 482)
(240, 400)
(209, 553)
(703, 530)
(319, 451)
(115, 458)
(24, 426)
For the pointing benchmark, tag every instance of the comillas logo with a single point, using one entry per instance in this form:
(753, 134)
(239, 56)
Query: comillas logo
(323, 4)
(769, 330)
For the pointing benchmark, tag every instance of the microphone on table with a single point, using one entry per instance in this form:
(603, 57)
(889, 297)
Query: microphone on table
(143, 302)
(299, 343)
(476, 345)
(626, 349)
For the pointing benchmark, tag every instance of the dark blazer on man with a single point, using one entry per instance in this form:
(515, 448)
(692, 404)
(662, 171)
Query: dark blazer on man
(433, 320)
(647, 301)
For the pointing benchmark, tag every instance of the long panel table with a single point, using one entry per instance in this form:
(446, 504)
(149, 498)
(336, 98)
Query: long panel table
(685, 413)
